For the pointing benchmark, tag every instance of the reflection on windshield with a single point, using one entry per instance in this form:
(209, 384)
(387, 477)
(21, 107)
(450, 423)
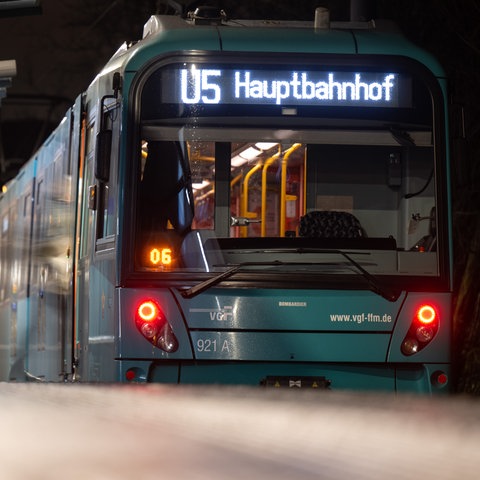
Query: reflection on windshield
(212, 198)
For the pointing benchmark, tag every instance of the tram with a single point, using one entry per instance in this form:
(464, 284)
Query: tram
(238, 202)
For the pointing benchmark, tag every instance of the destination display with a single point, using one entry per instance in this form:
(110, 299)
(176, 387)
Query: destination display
(191, 85)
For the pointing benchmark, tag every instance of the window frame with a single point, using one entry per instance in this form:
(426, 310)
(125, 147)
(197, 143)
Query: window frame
(401, 63)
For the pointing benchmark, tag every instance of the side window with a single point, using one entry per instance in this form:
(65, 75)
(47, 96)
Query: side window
(107, 190)
(38, 228)
(88, 180)
(4, 260)
(26, 218)
(165, 190)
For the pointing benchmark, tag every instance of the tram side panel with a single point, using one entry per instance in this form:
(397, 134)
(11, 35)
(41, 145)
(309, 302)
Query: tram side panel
(16, 209)
(5, 200)
(103, 309)
(96, 309)
(7, 315)
(52, 245)
(4, 320)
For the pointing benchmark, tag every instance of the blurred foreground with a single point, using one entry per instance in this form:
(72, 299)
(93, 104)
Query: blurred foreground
(56, 431)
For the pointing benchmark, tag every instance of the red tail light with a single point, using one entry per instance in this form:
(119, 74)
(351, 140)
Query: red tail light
(426, 314)
(422, 330)
(148, 311)
(153, 325)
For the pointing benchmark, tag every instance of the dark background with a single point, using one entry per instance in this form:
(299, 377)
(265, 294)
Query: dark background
(59, 51)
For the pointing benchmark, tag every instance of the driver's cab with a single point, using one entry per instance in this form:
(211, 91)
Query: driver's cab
(215, 203)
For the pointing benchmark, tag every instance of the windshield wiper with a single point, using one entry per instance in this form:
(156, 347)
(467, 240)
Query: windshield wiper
(372, 281)
(211, 282)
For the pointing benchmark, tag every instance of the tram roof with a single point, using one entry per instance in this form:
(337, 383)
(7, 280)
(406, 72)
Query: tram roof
(164, 34)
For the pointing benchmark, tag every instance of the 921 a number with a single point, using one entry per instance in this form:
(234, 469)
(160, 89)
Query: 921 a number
(206, 345)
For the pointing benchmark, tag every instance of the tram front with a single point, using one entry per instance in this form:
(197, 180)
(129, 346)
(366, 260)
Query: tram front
(289, 224)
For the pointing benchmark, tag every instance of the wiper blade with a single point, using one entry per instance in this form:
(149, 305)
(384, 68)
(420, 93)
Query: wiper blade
(372, 281)
(211, 282)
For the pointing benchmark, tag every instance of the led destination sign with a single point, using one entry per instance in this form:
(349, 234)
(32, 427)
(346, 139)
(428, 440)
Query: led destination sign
(215, 86)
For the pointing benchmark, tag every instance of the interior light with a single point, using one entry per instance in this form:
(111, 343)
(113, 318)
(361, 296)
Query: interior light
(265, 145)
(246, 156)
(250, 153)
(199, 186)
(238, 161)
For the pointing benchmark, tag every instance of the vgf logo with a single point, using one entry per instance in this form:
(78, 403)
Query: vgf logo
(225, 314)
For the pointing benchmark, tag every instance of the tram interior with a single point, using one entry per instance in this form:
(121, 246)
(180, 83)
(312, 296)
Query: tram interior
(359, 190)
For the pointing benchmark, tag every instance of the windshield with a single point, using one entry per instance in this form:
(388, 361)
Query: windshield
(280, 184)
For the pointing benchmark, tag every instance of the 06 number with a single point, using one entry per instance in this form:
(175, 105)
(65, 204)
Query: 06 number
(163, 256)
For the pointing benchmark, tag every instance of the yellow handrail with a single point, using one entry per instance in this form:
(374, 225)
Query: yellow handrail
(235, 180)
(283, 187)
(245, 212)
(266, 165)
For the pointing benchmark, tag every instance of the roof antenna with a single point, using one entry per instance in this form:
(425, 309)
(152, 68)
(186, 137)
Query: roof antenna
(322, 18)
(207, 16)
